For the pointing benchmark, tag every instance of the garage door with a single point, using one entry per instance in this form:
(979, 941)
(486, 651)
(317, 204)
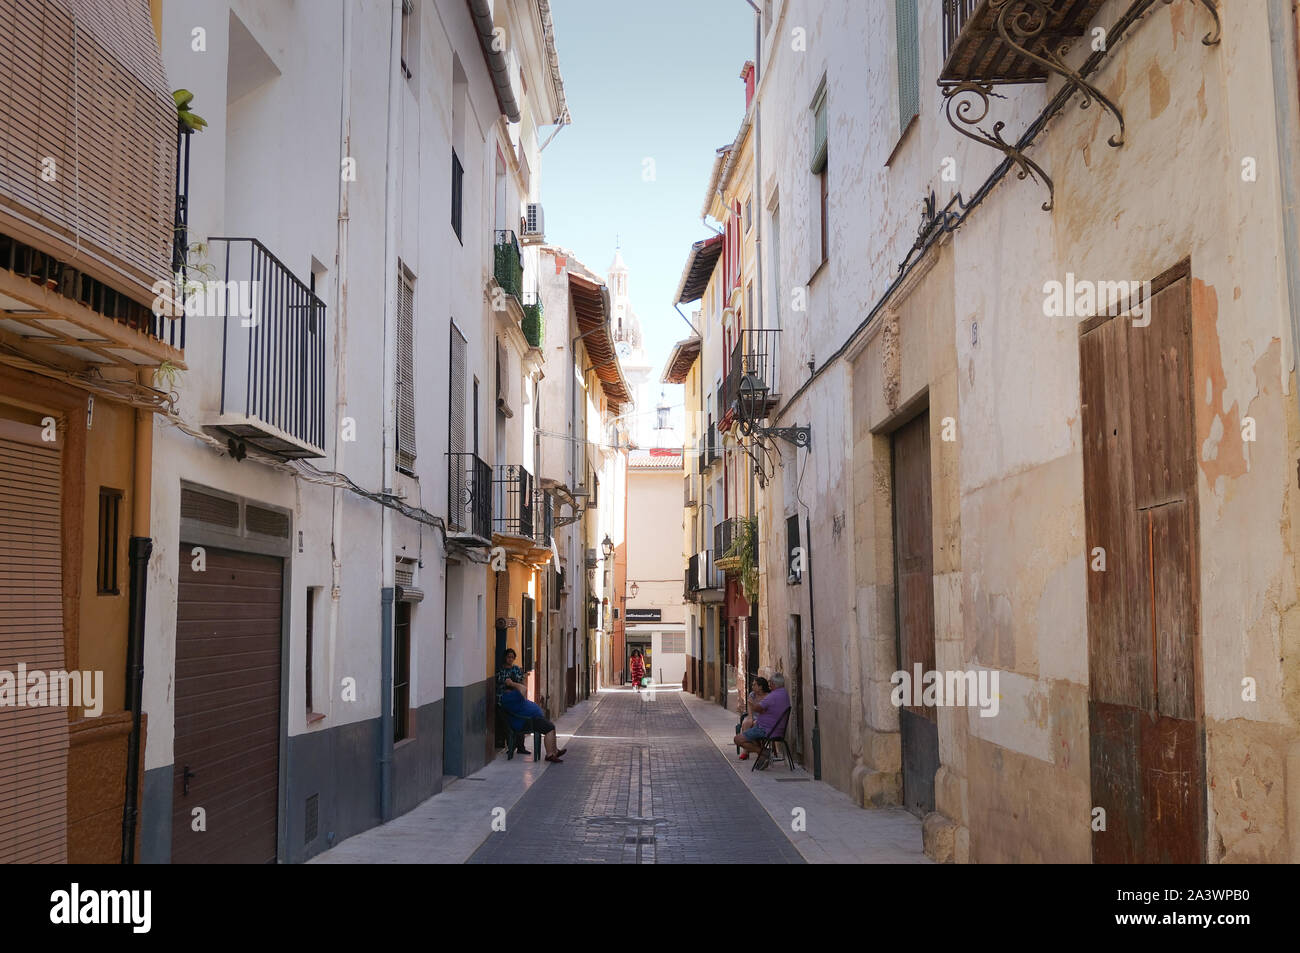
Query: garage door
(227, 708)
(33, 741)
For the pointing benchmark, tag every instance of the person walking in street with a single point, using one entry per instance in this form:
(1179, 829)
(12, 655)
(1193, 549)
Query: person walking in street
(637, 668)
(511, 697)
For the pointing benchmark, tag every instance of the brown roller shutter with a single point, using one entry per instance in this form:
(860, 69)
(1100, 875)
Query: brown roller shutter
(33, 741)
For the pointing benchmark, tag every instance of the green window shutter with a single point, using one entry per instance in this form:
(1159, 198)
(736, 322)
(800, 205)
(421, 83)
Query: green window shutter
(909, 70)
(819, 129)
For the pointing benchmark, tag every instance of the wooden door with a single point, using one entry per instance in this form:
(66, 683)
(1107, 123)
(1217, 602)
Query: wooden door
(227, 748)
(914, 606)
(1139, 477)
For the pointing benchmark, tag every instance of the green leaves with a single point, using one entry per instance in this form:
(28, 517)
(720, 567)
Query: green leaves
(193, 122)
(744, 547)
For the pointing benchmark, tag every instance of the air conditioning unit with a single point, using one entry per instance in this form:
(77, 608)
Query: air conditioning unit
(534, 223)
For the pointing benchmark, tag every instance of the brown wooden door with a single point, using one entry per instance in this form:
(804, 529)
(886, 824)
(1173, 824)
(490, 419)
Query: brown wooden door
(1139, 480)
(914, 574)
(227, 748)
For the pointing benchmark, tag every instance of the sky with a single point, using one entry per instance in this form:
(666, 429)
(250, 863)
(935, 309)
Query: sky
(656, 81)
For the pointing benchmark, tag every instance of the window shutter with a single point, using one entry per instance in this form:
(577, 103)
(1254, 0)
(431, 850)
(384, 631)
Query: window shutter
(909, 87)
(456, 402)
(33, 741)
(405, 372)
(819, 130)
(503, 378)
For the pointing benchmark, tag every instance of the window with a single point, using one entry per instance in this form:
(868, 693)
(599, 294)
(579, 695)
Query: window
(909, 88)
(749, 214)
(401, 670)
(793, 552)
(410, 44)
(457, 179)
(819, 165)
(673, 643)
(405, 370)
(311, 639)
(527, 621)
(110, 508)
(775, 267)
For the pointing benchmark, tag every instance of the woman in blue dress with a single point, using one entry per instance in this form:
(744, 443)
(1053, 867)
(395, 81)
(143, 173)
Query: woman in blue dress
(510, 696)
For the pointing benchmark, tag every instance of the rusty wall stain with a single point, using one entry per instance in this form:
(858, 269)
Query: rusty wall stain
(1157, 89)
(1220, 451)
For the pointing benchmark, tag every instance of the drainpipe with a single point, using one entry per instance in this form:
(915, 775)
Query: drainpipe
(138, 553)
(1282, 53)
(812, 642)
(389, 405)
(340, 339)
(497, 64)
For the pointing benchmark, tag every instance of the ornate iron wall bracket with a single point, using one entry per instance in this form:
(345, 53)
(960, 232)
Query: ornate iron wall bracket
(799, 436)
(1019, 22)
(968, 114)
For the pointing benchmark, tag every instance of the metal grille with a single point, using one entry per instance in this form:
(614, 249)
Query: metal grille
(207, 508)
(266, 522)
(514, 496)
(469, 495)
(955, 15)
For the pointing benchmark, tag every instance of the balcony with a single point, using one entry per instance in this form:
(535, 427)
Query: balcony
(754, 356)
(724, 534)
(58, 309)
(513, 493)
(508, 266)
(710, 454)
(704, 580)
(272, 351)
(534, 329)
(469, 497)
(689, 493)
(544, 517)
(1007, 42)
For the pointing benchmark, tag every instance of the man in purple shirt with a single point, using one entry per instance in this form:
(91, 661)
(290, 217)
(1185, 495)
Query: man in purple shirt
(767, 712)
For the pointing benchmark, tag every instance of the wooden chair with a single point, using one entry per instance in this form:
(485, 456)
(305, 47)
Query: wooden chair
(768, 745)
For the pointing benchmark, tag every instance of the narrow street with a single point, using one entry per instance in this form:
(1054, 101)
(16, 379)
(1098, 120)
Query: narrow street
(641, 783)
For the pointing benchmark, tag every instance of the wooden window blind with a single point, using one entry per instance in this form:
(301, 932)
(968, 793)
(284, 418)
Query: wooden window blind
(405, 371)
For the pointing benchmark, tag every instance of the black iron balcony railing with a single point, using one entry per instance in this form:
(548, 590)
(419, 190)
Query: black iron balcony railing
(273, 349)
(955, 15)
(513, 512)
(704, 572)
(544, 518)
(469, 495)
(724, 534)
(534, 329)
(755, 355)
(508, 265)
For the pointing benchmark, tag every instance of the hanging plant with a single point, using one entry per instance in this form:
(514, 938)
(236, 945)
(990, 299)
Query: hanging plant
(192, 121)
(744, 549)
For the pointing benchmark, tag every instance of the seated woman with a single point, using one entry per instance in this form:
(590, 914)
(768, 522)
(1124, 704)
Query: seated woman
(510, 696)
(759, 691)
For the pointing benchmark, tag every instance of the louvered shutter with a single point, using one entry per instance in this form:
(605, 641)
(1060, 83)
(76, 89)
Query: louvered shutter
(456, 404)
(405, 372)
(33, 741)
(909, 85)
(819, 130)
(503, 377)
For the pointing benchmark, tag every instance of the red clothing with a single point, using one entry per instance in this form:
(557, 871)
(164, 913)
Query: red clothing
(637, 669)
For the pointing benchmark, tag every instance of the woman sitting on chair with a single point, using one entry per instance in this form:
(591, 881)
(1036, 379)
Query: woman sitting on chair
(510, 696)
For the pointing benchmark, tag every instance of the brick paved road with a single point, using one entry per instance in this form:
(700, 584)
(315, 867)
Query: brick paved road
(641, 784)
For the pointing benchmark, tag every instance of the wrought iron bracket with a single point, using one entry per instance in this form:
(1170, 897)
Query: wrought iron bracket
(1019, 22)
(799, 436)
(966, 113)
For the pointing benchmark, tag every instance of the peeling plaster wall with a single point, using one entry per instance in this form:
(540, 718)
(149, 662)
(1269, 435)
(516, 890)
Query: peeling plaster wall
(1008, 496)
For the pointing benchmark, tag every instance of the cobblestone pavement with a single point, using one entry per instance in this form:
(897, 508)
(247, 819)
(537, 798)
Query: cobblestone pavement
(641, 783)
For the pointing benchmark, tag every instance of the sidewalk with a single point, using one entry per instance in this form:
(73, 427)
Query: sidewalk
(838, 831)
(450, 826)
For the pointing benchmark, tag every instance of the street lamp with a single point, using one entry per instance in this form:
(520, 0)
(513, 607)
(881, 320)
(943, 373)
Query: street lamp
(751, 410)
(607, 546)
(633, 590)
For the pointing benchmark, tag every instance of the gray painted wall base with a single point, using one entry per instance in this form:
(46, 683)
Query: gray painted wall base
(466, 727)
